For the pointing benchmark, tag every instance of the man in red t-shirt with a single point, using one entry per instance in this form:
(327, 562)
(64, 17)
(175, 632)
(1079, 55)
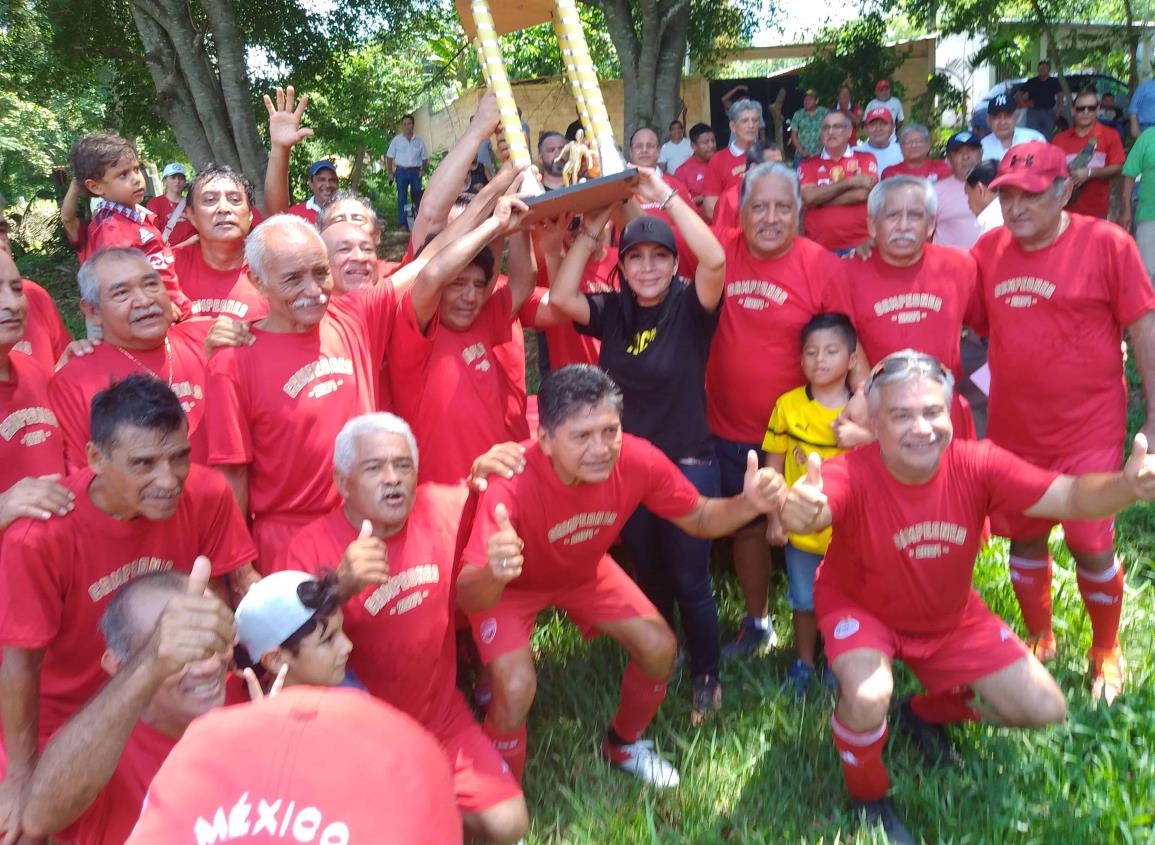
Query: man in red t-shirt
(726, 211)
(31, 450)
(171, 207)
(141, 506)
(1058, 292)
(312, 365)
(909, 294)
(395, 545)
(835, 184)
(540, 540)
(1095, 156)
(727, 166)
(644, 150)
(914, 140)
(212, 270)
(776, 281)
(168, 642)
(122, 293)
(907, 513)
(692, 172)
(45, 336)
(444, 377)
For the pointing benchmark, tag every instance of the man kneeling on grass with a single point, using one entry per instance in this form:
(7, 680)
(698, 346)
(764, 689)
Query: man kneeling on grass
(540, 540)
(908, 512)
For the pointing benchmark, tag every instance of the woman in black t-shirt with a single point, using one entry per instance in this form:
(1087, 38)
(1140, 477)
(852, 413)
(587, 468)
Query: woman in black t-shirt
(655, 335)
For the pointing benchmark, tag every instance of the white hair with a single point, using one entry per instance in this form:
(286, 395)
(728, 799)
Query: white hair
(86, 278)
(877, 198)
(745, 104)
(345, 448)
(288, 226)
(914, 129)
(764, 171)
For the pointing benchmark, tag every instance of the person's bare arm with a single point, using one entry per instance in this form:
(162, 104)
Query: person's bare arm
(237, 476)
(1134, 126)
(1099, 494)
(193, 627)
(1126, 209)
(1142, 335)
(708, 206)
(851, 197)
(522, 269)
(445, 183)
(762, 492)
(20, 712)
(565, 294)
(805, 509)
(285, 132)
(69, 214)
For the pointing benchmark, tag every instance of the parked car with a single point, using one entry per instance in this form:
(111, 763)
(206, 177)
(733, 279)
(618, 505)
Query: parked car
(1100, 82)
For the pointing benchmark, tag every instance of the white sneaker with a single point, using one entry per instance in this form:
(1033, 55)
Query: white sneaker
(641, 761)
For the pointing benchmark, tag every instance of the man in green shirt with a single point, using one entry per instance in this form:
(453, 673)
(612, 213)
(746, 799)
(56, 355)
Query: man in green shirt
(1141, 163)
(806, 127)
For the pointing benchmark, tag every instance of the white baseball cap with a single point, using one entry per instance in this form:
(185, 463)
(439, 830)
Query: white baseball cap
(272, 611)
(173, 169)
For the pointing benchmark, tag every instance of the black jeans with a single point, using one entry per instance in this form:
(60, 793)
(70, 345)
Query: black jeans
(671, 566)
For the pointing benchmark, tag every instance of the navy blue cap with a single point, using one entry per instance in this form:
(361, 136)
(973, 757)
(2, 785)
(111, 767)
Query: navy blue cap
(963, 139)
(1002, 104)
(317, 166)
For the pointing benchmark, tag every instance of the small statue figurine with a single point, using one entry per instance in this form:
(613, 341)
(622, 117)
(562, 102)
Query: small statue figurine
(579, 158)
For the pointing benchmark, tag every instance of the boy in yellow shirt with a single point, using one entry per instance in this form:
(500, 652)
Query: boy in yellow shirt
(803, 422)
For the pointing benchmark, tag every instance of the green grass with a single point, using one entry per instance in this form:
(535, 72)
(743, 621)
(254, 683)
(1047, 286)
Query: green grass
(765, 770)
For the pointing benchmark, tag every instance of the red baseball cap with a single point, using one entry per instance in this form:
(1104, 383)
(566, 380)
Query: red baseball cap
(880, 113)
(319, 764)
(882, 83)
(1032, 167)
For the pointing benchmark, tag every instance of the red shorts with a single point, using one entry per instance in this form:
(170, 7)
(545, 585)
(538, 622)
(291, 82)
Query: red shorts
(1096, 535)
(609, 596)
(980, 645)
(481, 778)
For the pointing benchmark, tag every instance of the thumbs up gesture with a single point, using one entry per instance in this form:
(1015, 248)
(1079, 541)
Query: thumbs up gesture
(504, 548)
(805, 505)
(763, 488)
(193, 627)
(366, 562)
(1140, 468)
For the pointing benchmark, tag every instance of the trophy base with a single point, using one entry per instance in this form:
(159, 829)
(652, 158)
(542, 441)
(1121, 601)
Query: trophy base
(584, 196)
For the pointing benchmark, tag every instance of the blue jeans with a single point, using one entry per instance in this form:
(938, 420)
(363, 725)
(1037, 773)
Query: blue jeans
(408, 185)
(671, 566)
(800, 569)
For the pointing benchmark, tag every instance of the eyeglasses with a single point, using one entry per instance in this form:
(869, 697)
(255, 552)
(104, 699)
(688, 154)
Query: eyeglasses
(837, 127)
(1086, 108)
(900, 362)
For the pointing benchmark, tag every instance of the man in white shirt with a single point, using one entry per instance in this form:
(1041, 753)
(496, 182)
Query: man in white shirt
(983, 201)
(883, 99)
(1004, 132)
(406, 159)
(880, 141)
(676, 150)
(956, 224)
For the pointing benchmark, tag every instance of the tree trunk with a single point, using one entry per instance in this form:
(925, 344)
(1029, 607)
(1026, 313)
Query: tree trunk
(651, 54)
(1132, 46)
(358, 167)
(211, 115)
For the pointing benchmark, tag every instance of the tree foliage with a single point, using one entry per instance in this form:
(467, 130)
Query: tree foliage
(853, 54)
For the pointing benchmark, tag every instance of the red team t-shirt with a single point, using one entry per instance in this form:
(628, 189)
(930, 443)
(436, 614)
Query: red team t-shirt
(45, 335)
(278, 405)
(565, 345)
(724, 169)
(404, 647)
(116, 225)
(1095, 197)
(77, 382)
(919, 307)
(450, 387)
(692, 174)
(30, 440)
(906, 552)
(1056, 319)
(303, 210)
(756, 354)
(568, 529)
(163, 208)
(56, 577)
(114, 813)
(932, 169)
(216, 293)
(726, 211)
(836, 226)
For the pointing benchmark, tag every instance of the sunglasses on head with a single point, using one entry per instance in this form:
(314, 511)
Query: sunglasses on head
(895, 364)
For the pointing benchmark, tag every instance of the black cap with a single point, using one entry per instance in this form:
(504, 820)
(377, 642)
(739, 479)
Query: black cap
(1002, 104)
(647, 230)
(963, 139)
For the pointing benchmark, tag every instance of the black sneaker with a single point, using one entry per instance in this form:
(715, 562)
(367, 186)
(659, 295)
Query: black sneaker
(881, 813)
(707, 698)
(932, 740)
